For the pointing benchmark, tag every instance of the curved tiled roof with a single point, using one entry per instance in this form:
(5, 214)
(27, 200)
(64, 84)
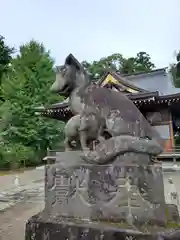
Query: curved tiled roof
(122, 80)
(157, 80)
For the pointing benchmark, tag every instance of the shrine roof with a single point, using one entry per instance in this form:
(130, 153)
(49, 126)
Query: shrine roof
(121, 80)
(152, 72)
(138, 99)
(145, 95)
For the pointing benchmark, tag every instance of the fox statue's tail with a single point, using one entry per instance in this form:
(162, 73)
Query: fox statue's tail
(107, 150)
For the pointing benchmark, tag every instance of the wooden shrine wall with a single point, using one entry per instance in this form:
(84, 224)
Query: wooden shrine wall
(161, 120)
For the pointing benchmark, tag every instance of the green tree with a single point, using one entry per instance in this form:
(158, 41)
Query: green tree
(175, 70)
(25, 87)
(97, 68)
(127, 66)
(5, 58)
(143, 62)
(116, 62)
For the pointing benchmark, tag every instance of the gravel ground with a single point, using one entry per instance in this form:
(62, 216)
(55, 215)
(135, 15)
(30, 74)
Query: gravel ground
(12, 222)
(26, 203)
(8, 182)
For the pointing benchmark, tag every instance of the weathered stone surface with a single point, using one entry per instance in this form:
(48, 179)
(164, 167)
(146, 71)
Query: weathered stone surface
(107, 151)
(38, 228)
(172, 213)
(132, 193)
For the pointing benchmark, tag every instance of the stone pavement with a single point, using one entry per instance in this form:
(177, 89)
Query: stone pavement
(13, 220)
(17, 187)
(8, 182)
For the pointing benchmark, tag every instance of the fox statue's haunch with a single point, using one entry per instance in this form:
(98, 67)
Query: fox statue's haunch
(92, 101)
(72, 129)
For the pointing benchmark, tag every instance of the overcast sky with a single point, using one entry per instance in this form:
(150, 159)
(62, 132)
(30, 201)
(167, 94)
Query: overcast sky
(96, 28)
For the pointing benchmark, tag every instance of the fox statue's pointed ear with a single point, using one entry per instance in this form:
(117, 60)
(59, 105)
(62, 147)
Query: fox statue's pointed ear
(72, 61)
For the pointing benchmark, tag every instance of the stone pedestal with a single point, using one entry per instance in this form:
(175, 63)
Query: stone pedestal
(39, 228)
(131, 193)
(117, 201)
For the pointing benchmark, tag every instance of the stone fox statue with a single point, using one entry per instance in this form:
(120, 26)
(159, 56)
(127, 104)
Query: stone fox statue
(119, 113)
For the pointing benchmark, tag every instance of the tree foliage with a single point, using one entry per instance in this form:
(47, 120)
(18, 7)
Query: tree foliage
(5, 56)
(175, 71)
(24, 87)
(5, 59)
(116, 62)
